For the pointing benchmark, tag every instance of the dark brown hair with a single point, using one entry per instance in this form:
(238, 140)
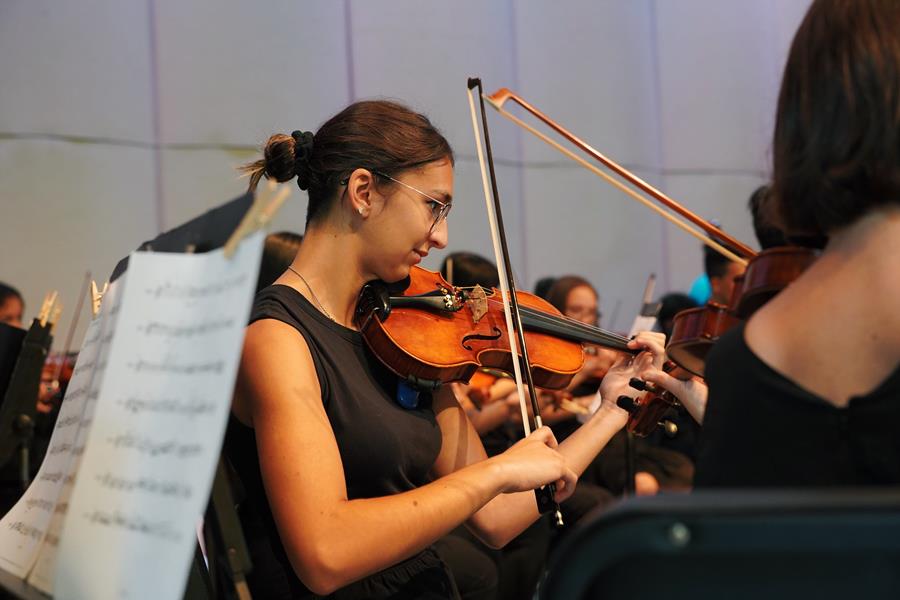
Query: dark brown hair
(468, 269)
(279, 251)
(560, 289)
(764, 222)
(372, 134)
(7, 292)
(836, 148)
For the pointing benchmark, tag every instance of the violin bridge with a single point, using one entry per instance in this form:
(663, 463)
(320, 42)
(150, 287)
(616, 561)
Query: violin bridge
(477, 301)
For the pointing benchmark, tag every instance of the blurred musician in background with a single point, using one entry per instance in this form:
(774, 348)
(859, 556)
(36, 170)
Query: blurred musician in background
(12, 306)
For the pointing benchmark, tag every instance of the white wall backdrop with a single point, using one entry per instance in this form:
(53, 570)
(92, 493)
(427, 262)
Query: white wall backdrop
(120, 119)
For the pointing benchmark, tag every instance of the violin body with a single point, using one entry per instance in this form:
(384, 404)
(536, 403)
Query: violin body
(768, 273)
(694, 331)
(55, 375)
(436, 333)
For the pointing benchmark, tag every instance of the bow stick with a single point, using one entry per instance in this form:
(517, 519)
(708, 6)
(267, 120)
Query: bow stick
(731, 248)
(515, 331)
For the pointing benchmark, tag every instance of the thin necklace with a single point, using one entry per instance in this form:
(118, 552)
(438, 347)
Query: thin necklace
(312, 293)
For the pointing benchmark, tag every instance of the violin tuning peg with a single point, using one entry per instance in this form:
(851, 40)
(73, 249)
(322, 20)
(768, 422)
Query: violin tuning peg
(669, 428)
(638, 384)
(627, 404)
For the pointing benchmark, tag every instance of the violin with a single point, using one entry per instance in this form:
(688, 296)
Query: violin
(55, 376)
(646, 412)
(431, 333)
(694, 331)
(767, 274)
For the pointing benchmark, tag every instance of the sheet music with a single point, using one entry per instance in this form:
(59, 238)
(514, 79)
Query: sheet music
(158, 424)
(24, 528)
(43, 572)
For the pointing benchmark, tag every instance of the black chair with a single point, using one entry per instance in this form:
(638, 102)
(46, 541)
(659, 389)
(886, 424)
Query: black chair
(734, 545)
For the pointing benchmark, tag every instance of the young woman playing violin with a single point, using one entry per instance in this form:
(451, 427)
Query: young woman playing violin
(346, 488)
(807, 393)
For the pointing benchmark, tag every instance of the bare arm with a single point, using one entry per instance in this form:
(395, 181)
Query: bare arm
(692, 393)
(331, 540)
(484, 419)
(507, 515)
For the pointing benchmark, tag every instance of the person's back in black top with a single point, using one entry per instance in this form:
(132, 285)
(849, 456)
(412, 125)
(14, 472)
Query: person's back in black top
(763, 430)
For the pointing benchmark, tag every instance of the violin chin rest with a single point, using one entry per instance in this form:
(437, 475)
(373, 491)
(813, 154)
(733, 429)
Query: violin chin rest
(375, 297)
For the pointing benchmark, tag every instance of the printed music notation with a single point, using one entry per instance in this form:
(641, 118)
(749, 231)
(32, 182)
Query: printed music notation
(68, 421)
(86, 394)
(145, 484)
(188, 330)
(26, 530)
(157, 424)
(41, 503)
(51, 477)
(191, 291)
(171, 365)
(153, 447)
(136, 523)
(188, 407)
(30, 520)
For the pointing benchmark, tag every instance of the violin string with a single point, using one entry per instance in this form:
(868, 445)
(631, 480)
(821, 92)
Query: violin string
(568, 321)
(564, 319)
(574, 326)
(596, 334)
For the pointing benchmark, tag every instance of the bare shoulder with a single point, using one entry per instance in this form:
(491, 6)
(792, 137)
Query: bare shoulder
(276, 369)
(835, 331)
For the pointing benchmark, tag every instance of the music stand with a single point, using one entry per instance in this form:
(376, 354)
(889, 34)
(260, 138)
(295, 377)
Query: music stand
(10, 345)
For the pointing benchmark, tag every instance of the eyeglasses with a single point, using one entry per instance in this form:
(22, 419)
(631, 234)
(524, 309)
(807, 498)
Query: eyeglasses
(439, 208)
(584, 314)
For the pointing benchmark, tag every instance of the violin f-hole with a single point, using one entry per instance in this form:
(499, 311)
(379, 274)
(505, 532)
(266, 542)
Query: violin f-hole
(495, 334)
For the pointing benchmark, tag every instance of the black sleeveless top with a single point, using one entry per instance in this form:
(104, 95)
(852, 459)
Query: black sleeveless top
(763, 430)
(385, 449)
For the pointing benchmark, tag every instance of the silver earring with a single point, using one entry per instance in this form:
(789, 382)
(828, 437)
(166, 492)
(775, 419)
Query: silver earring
(360, 211)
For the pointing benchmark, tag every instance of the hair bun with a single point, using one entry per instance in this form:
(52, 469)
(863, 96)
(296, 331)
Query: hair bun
(303, 147)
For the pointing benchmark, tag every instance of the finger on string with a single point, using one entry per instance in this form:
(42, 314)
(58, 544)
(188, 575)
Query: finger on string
(654, 345)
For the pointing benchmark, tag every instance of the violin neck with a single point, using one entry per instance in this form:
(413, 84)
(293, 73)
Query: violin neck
(569, 329)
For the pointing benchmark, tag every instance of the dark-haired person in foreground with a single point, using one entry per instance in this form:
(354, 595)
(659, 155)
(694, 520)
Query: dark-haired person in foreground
(807, 393)
(347, 489)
